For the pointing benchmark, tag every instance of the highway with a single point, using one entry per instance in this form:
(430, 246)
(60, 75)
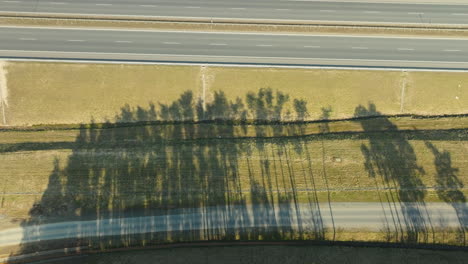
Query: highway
(253, 9)
(241, 48)
(368, 216)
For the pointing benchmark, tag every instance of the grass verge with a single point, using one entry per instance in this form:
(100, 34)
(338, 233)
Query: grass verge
(67, 93)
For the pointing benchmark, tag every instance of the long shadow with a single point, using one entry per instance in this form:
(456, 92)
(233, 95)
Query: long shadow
(192, 164)
(448, 188)
(211, 185)
(324, 129)
(391, 161)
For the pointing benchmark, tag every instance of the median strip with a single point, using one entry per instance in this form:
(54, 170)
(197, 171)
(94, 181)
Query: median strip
(232, 24)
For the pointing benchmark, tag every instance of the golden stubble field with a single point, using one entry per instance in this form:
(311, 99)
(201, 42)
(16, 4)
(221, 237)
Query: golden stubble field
(53, 166)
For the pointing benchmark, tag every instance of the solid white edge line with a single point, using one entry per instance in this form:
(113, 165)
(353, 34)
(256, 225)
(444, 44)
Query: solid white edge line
(379, 2)
(233, 33)
(216, 56)
(357, 68)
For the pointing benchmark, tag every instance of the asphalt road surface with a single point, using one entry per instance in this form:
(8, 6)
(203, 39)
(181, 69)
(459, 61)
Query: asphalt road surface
(252, 9)
(371, 216)
(18, 42)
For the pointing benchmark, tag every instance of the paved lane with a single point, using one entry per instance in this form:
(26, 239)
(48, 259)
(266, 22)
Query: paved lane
(229, 47)
(371, 216)
(253, 9)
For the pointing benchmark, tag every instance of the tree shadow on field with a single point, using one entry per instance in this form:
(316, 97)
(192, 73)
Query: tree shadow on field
(191, 170)
(391, 161)
(180, 172)
(449, 188)
(325, 128)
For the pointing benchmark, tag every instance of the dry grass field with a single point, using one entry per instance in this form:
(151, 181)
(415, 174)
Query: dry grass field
(62, 93)
(54, 167)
